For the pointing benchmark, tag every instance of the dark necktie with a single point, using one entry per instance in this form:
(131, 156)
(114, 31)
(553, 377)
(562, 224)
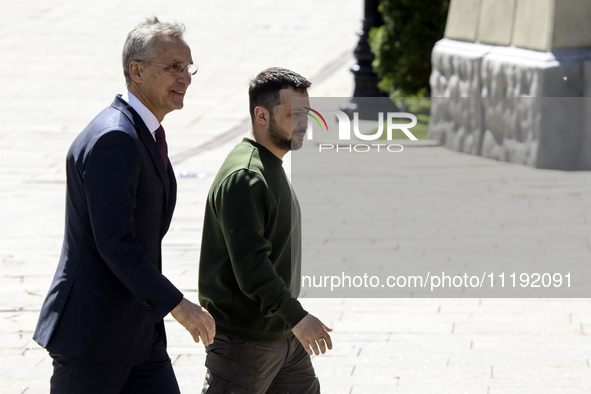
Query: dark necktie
(161, 142)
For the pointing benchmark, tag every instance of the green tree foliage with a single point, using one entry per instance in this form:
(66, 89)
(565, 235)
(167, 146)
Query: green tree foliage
(402, 45)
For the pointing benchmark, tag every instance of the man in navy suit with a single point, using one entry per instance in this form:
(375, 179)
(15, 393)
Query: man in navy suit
(102, 320)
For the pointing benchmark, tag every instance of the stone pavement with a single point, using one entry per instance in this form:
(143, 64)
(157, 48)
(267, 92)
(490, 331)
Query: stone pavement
(60, 66)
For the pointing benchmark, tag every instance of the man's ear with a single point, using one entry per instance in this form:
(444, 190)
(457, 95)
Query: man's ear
(136, 70)
(261, 115)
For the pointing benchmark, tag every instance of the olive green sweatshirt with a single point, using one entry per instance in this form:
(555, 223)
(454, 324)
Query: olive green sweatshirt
(251, 248)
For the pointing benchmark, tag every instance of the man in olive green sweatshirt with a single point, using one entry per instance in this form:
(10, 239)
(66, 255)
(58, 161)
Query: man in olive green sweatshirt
(251, 252)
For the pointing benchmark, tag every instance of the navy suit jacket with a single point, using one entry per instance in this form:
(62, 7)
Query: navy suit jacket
(108, 294)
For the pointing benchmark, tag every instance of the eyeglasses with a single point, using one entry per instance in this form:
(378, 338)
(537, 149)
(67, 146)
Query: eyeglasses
(176, 68)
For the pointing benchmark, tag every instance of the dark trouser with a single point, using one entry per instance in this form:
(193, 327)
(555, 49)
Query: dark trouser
(237, 366)
(72, 375)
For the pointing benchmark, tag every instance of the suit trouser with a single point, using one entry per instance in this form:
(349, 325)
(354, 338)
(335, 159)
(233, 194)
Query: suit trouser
(72, 375)
(238, 366)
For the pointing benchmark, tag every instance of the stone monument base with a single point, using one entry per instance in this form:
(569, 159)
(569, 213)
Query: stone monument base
(512, 104)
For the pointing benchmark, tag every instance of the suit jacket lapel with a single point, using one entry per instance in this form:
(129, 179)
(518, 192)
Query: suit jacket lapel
(171, 202)
(148, 141)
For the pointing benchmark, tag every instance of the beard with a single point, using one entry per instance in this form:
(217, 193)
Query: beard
(279, 139)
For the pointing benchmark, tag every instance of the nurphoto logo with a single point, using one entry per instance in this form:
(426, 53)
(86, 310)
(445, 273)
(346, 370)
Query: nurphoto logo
(345, 127)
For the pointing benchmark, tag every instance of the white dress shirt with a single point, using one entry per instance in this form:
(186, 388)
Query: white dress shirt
(144, 113)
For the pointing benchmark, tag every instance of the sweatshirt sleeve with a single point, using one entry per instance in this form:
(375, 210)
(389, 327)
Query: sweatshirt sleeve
(246, 210)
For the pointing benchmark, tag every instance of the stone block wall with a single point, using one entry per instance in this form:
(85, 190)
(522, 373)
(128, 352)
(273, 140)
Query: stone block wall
(515, 92)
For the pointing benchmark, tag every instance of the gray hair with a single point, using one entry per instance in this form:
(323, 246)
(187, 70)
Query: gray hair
(139, 44)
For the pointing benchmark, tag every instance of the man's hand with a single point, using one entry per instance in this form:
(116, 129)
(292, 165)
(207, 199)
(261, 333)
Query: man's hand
(313, 335)
(196, 320)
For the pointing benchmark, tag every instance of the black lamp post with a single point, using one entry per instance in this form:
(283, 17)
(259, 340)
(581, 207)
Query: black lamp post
(366, 80)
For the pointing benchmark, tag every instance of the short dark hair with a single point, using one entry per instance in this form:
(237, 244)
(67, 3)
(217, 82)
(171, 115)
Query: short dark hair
(264, 88)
